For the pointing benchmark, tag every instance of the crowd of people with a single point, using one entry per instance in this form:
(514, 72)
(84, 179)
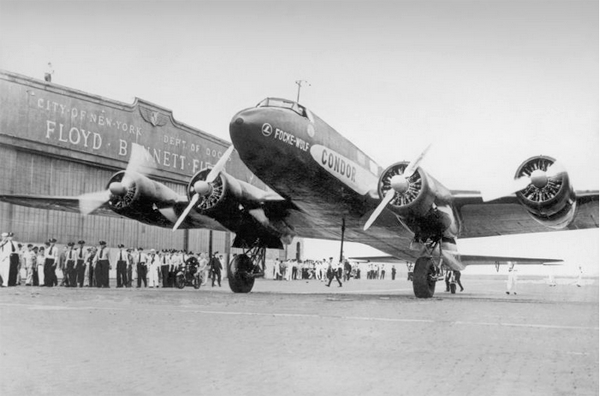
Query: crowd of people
(326, 270)
(89, 266)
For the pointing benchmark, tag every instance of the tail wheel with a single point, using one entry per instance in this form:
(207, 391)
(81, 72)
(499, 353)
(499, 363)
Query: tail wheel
(453, 288)
(238, 274)
(424, 278)
(180, 281)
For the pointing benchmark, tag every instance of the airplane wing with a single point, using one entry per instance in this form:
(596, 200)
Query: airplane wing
(164, 216)
(506, 216)
(63, 204)
(467, 259)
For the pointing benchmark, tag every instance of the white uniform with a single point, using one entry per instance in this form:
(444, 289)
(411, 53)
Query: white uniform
(511, 283)
(5, 252)
(30, 260)
(40, 268)
(153, 264)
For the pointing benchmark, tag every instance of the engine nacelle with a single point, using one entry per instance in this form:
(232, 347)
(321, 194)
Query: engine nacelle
(418, 197)
(223, 195)
(549, 198)
(135, 196)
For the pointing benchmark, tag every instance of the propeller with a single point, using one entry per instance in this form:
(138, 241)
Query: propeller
(139, 162)
(539, 178)
(203, 188)
(399, 184)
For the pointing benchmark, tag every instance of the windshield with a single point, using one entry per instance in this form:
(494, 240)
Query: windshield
(286, 104)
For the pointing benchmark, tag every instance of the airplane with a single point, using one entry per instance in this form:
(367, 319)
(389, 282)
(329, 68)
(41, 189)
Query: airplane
(320, 185)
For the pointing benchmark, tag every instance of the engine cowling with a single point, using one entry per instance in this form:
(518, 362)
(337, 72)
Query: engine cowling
(135, 196)
(220, 196)
(549, 198)
(417, 197)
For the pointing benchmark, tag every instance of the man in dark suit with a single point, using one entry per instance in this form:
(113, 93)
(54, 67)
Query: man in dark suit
(80, 255)
(121, 266)
(215, 269)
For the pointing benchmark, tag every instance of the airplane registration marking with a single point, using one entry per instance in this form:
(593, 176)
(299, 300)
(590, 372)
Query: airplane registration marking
(300, 315)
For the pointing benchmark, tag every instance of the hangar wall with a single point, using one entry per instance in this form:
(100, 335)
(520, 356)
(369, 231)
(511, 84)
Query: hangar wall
(58, 141)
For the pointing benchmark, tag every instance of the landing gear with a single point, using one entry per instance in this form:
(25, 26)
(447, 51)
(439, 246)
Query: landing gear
(424, 277)
(244, 268)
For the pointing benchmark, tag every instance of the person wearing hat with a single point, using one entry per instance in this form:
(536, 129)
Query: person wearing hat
(80, 255)
(51, 255)
(102, 265)
(90, 267)
(153, 262)
(165, 261)
(70, 262)
(29, 262)
(215, 269)
(14, 261)
(140, 260)
(130, 267)
(41, 260)
(121, 266)
(5, 251)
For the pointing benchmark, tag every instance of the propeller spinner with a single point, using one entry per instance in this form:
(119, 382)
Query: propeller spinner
(203, 188)
(399, 184)
(139, 162)
(541, 175)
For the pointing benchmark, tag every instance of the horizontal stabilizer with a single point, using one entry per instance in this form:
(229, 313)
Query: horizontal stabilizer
(467, 259)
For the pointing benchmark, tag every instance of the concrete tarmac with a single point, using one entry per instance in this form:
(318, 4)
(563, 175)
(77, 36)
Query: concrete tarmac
(369, 337)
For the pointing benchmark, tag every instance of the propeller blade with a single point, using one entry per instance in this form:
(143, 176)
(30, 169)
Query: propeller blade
(140, 161)
(219, 166)
(187, 210)
(386, 200)
(413, 165)
(556, 169)
(92, 201)
(516, 185)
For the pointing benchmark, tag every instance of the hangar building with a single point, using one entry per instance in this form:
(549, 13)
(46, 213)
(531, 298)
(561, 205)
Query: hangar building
(58, 141)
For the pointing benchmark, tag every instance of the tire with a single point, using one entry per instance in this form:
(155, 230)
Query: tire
(453, 288)
(180, 281)
(237, 269)
(197, 282)
(423, 282)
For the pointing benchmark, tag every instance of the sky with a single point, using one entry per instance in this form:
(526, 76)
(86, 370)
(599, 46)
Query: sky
(488, 83)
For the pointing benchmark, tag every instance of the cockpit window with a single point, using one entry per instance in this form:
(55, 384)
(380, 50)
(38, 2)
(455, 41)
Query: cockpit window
(287, 104)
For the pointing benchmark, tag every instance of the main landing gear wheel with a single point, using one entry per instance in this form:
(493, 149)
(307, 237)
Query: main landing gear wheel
(238, 274)
(453, 288)
(424, 277)
(197, 282)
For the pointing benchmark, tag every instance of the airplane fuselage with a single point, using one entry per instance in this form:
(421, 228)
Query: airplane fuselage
(300, 156)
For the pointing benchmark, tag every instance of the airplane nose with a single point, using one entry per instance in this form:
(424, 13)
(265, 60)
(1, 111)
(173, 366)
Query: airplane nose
(241, 126)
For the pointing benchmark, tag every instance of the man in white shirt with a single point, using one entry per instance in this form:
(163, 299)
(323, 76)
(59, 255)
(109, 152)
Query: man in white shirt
(70, 263)
(140, 260)
(5, 251)
(102, 266)
(80, 256)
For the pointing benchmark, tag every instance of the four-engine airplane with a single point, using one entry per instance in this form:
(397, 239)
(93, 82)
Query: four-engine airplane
(322, 186)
